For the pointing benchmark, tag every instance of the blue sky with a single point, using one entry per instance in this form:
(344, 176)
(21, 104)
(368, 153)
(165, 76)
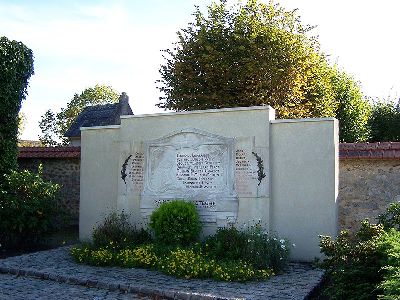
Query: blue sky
(80, 43)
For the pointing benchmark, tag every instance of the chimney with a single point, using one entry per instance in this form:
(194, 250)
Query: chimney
(124, 108)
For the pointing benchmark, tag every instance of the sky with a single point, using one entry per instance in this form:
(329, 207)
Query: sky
(77, 44)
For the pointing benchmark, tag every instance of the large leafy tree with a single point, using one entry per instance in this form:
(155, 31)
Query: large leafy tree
(259, 54)
(385, 121)
(16, 67)
(353, 110)
(251, 54)
(54, 125)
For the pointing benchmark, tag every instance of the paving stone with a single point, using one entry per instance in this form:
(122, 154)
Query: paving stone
(29, 288)
(58, 267)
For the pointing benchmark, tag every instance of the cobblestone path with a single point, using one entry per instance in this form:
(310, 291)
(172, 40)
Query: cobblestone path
(54, 274)
(27, 288)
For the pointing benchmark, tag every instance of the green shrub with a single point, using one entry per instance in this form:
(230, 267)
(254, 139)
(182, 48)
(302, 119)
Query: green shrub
(367, 264)
(252, 245)
(227, 244)
(176, 223)
(390, 245)
(28, 208)
(391, 218)
(117, 233)
(354, 263)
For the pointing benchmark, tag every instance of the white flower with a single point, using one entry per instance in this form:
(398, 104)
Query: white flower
(294, 245)
(282, 241)
(283, 247)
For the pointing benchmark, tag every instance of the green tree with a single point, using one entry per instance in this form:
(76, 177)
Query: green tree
(251, 54)
(21, 123)
(353, 110)
(16, 67)
(385, 121)
(48, 126)
(54, 125)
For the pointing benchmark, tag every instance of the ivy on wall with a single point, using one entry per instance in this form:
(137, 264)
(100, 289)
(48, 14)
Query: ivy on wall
(16, 67)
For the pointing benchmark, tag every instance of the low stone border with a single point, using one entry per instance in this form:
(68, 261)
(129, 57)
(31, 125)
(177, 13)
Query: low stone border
(57, 265)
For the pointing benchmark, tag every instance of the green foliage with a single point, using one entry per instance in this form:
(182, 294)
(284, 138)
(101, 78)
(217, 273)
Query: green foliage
(189, 263)
(193, 261)
(142, 256)
(48, 125)
(116, 231)
(391, 218)
(244, 55)
(16, 67)
(54, 125)
(367, 264)
(252, 245)
(239, 271)
(385, 121)
(390, 245)
(353, 111)
(353, 263)
(179, 262)
(94, 257)
(21, 123)
(176, 223)
(28, 207)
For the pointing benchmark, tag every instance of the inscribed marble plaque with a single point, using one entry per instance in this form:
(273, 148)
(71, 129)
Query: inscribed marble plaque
(192, 165)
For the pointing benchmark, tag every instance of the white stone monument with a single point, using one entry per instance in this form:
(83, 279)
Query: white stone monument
(239, 166)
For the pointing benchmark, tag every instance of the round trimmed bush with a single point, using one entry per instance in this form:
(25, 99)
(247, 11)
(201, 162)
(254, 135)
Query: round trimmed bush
(176, 223)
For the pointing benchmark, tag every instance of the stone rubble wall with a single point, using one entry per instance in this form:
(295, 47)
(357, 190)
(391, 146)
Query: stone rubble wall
(61, 167)
(369, 179)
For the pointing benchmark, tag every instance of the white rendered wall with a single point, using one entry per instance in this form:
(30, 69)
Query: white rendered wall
(304, 182)
(99, 175)
(297, 199)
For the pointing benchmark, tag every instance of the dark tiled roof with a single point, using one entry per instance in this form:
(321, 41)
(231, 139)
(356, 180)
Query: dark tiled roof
(382, 150)
(100, 115)
(49, 152)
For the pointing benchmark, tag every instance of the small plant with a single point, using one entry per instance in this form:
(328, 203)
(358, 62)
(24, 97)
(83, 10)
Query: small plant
(176, 223)
(227, 244)
(117, 232)
(192, 263)
(96, 257)
(239, 271)
(187, 263)
(391, 218)
(28, 208)
(253, 245)
(142, 256)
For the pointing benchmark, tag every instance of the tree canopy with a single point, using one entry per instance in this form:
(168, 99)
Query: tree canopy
(16, 67)
(251, 54)
(353, 110)
(54, 125)
(385, 121)
(258, 54)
